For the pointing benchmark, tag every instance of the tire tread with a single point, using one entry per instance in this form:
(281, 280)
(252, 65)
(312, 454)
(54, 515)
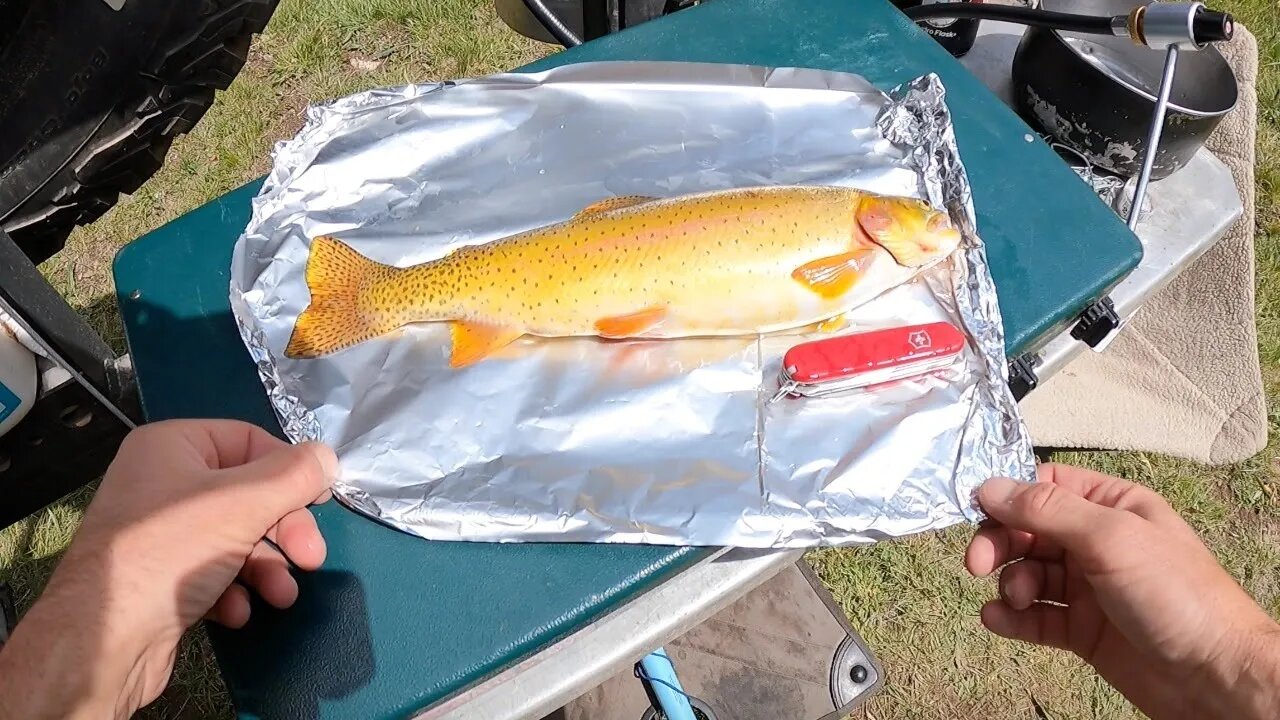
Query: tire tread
(178, 87)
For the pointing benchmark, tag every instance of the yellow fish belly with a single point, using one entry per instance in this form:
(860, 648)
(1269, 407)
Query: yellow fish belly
(731, 262)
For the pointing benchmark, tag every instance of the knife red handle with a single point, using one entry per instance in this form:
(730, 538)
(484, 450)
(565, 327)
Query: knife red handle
(847, 356)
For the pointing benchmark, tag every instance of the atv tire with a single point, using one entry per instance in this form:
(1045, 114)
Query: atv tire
(92, 97)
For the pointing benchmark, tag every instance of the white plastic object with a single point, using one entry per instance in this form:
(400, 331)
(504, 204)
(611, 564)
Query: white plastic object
(17, 380)
(7, 323)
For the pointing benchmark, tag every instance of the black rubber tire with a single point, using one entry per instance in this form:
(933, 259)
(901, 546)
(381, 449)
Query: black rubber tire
(91, 98)
(701, 711)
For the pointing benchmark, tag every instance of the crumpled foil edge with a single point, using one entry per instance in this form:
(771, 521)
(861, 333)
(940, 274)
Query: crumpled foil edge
(917, 117)
(297, 421)
(289, 158)
(1115, 191)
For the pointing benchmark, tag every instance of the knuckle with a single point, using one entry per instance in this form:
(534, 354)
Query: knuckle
(141, 436)
(1123, 527)
(1045, 473)
(1038, 499)
(1112, 531)
(305, 470)
(1144, 497)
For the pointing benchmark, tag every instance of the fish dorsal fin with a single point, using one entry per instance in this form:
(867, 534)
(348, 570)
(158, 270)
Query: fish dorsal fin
(833, 276)
(475, 341)
(631, 324)
(613, 203)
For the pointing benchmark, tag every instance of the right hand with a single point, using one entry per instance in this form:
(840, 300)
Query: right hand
(1106, 569)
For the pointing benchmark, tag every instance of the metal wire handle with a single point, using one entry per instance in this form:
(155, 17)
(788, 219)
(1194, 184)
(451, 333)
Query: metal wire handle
(1153, 135)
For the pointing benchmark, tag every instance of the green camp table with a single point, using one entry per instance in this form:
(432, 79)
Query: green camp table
(394, 624)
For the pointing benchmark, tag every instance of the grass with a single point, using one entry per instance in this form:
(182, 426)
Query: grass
(909, 598)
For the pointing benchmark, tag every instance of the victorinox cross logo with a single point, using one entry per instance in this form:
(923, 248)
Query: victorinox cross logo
(919, 340)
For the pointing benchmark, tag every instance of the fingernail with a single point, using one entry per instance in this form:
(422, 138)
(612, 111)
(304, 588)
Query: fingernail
(998, 489)
(1011, 595)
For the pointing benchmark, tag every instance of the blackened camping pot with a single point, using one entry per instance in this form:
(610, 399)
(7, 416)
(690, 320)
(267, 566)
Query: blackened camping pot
(1095, 94)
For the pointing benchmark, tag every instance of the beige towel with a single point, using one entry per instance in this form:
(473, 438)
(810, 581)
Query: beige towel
(1183, 377)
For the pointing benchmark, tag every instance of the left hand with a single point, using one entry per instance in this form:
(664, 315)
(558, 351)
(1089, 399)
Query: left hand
(174, 534)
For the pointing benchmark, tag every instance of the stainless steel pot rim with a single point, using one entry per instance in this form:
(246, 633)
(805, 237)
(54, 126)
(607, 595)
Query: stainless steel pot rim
(1141, 92)
(1208, 69)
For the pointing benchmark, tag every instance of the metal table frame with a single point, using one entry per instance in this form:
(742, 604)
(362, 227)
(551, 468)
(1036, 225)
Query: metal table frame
(68, 437)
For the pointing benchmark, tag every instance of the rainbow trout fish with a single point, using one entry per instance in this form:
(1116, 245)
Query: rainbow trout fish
(731, 262)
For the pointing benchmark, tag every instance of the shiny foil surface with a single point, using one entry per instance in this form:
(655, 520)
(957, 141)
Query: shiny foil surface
(663, 441)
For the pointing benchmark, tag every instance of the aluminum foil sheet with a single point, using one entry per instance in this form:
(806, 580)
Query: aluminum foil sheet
(669, 441)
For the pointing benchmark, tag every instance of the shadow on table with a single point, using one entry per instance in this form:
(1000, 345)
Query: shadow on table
(285, 662)
(193, 366)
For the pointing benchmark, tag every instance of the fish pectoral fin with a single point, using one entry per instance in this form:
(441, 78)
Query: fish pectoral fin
(833, 276)
(476, 341)
(614, 203)
(631, 324)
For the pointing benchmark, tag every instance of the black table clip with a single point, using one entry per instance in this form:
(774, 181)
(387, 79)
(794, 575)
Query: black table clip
(1097, 323)
(1022, 374)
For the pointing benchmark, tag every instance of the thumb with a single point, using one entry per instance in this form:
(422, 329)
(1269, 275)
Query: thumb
(287, 479)
(1049, 511)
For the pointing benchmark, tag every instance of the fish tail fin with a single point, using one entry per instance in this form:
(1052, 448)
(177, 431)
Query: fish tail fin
(340, 314)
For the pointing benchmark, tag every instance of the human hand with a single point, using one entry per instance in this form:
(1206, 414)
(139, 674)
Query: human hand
(173, 534)
(1106, 569)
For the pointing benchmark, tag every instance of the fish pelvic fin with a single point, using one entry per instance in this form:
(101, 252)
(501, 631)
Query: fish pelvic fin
(631, 324)
(340, 314)
(831, 324)
(473, 341)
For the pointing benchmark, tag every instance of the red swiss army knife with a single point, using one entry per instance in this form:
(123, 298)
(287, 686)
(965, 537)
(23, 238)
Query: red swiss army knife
(836, 364)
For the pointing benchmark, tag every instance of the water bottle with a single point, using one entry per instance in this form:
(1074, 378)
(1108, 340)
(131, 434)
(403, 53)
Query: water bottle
(17, 380)
(956, 36)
